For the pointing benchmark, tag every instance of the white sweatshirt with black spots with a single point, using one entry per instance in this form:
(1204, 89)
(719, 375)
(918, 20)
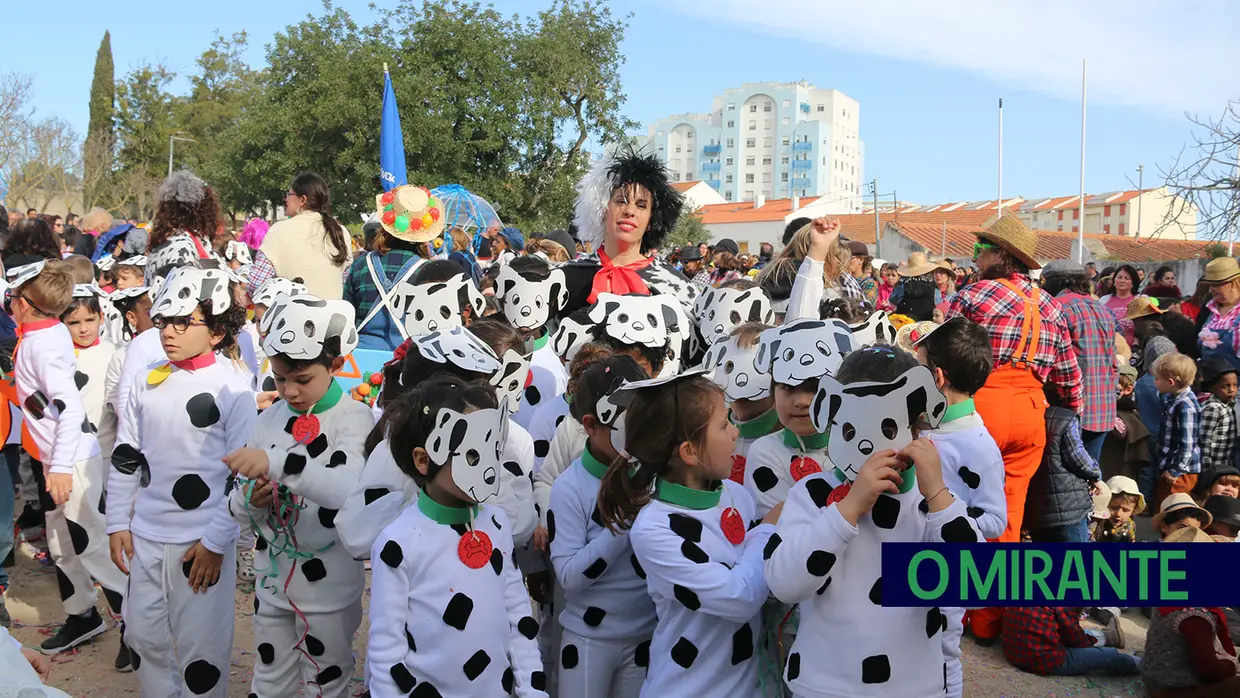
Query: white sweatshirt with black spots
(93, 364)
(43, 370)
(972, 467)
(440, 626)
(142, 351)
(707, 590)
(546, 420)
(567, 446)
(384, 491)
(319, 474)
(548, 379)
(748, 433)
(167, 466)
(848, 645)
(604, 584)
(778, 461)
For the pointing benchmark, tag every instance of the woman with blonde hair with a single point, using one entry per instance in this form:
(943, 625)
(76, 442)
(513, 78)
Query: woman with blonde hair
(96, 222)
(815, 265)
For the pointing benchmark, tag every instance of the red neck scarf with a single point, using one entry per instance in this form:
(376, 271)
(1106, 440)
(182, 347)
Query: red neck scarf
(619, 279)
(197, 362)
(86, 346)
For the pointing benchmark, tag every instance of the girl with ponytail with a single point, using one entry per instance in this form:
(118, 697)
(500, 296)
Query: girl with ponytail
(310, 244)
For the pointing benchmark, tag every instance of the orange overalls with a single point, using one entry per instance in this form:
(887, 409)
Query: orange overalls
(1013, 407)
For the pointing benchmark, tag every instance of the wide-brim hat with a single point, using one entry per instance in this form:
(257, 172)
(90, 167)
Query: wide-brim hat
(1221, 271)
(1013, 237)
(411, 213)
(1120, 484)
(690, 253)
(1142, 306)
(1101, 501)
(1190, 535)
(917, 265)
(1180, 501)
(1224, 509)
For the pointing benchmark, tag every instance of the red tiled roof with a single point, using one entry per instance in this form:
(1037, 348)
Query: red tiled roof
(683, 187)
(1016, 203)
(1052, 244)
(774, 210)
(860, 226)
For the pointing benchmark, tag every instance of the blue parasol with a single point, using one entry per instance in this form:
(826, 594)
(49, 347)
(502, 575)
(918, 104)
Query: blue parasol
(465, 210)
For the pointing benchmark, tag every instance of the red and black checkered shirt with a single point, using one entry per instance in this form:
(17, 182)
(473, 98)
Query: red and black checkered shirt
(1001, 311)
(1034, 638)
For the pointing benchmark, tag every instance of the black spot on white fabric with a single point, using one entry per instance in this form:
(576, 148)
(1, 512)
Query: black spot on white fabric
(458, 611)
(127, 459)
(541, 448)
(794, 666)
(823, 589)
(413, 646)
(203, 412)
(476, 664)
(79, 537)
(188, 566)
(693, 553)
(391, 554)
(923, 506)
(771, 544)
(201, 676)
(593, 616)
(425, 690)
(328, 675)
(59, 405)
(568, 656)
(764, 478)
(958, 530)
(288, 426)
(742, 644)
(190, 491)
(497, 561)
(968, 477)
(876, 592)
(35, 405)
(373, 493)
(80, 379)
(686, 527)
(532, 396)
(558, 420)
(886, 511)
(507, 682)
(596, 569)
(935, 621)
(338, 459)
(314, 646)
(538, 681)
(528, 627)
(65, 585)
(461, 529)
(550, 525)
(876, 669)
(314, 569)
(596, 517)
(260, 544)
(103, 502)
(318, 446)
(641, 654)
(327, 517)
(687, 597)
(256, 604)
(401, 677)
(819, 490)
(684, 652)
(820, 563)
(975, 512)
(496, 523)
(637, 566)
(266, 653)
(294, 464)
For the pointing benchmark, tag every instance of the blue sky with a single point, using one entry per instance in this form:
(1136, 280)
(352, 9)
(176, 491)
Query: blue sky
(928, 75)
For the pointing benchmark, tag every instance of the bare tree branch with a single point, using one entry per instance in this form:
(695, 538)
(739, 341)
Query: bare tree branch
(1205, 178)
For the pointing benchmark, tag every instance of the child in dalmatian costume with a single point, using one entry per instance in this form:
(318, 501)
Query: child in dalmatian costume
(826, 556)
(450, 615)
(657, 323)
(95, 355)
(530, 293)
(167, 504)
(571, 334)
(44, 370)
(262, 300)
(303, 458)
(794, 356)
(691, 536)
(608, 616)
(731, 361)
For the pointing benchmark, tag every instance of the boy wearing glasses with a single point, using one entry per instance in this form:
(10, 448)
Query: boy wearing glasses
(44, 366)
(167, 508)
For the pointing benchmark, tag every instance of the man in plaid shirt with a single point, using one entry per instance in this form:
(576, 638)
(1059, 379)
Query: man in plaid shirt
(1092, 329)
(1179, 449)
(1051, 641)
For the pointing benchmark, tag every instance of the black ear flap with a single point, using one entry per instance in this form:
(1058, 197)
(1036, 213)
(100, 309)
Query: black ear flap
(759, 360)
(505, 285)
(833, 408)
(755, 311)
(444, 417)
(819, 396)
(843, 340)
(459, 430)
(775, 344)
(610, 307)
(916, 401)
(671, 319)
(558, 296)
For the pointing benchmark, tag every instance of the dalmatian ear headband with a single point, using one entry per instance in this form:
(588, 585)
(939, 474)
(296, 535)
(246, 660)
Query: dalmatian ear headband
(511, 379)
(472, 444)
(632, 319)
(237, 251)
(17, 276)
(569, 337)
(459, 347)
(876, 329)
(427, 308)
(138, 260)
(105, 263)
(186, 287)
(719, 310)
(529, 303)
(277, 286)
(121, 294)
(299, 326)
(88, 290)
(863, 418)
(803, 349)
(616, 404)
(733, 369)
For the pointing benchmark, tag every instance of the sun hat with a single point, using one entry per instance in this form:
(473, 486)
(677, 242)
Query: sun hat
(1101, 501)
(690, 253)
(1142, 306)
(1224, 509)
(1120, 484)
(1189, 535)
(1017, 240)
(1221, 270)
(917, 265)
(1179, 502)
(411, 213)
(858, 249)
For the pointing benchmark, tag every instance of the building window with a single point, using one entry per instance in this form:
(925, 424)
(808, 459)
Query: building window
(1060, 215)
(822, 107)
(784, 121)
(766, 106)
(689, 136)
(660, 134)
(678, 149)
(749, 179)
(1076, 213)
(727, 179)
(676, 163)
(1121, 228)
(852, 170)
(748, 195)
(728, 194)
(766, 124)
(1123, 211)
(749, 161)
(660, 149)
(753, 109)
(784, 141)
(1106, 211)
(767, 142)
(766, 177)
(731, 143)
(1106, 229)
(787, 103)
(731, 106)
(675, 176)
(766, 161)
(689, 177)
(783, 176)
(783, 160)
(728, 162)
(731, 124)
(1075, 229)
(749, 142)
(753, 125)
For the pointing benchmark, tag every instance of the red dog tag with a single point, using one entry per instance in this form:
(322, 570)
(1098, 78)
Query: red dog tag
(803, 466)
(306, 428)
(475, 549)
(733, 526)
(738, 469)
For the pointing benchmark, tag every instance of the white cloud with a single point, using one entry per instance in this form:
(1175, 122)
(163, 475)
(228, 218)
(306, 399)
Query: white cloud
(1166, 58)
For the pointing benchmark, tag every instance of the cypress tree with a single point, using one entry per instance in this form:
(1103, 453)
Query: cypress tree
(100, 136)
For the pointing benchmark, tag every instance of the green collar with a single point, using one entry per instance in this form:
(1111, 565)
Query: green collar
(593, 465)
(958, 410)
(759, 426)
(813, 442)
(328, 401)
(909, 475)
(682, 496)
(445, 515)
(541, 342)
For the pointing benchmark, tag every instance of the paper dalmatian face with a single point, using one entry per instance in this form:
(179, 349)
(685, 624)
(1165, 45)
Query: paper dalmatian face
(863, 418)
(611, 415)
(472, 445)
(237, 251)
(645, 320)
(427, 308)
(87, 290)
(459, 347)
(277, 286)
(178, 252)
(528, 303)
(17, 276)
(719, 310)
(876, 329)
(510, 380)
(568, 337)
(734, 370)
(186, 287)
(803, 349)
(131, 292)
(299, 326)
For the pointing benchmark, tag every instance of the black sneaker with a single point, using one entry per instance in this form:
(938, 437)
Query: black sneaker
(75, 631)
(31, 517)
(122, 658)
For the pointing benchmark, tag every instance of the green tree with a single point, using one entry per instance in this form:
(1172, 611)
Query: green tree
(689, 230)
(145, 120)
(99, 151)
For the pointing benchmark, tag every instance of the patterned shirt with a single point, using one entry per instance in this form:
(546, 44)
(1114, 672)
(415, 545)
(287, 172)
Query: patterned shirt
(1230, 321)
(1179, 449)
(1106, 531)
(849, 288)
(995, 307)
(1035, 638)
(1092, 328)
(260, 271)
(701, 280)
(869, 289)
(1218, 434)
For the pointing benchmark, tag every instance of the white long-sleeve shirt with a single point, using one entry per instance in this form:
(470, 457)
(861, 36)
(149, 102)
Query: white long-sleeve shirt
(566, 446)
(43, 368)
(93, 365)
(972, 467)
(460, 631)
(542, 429)
(167, 466)
(548, 379)
(807, 292)
(776, 462)
(140, 353)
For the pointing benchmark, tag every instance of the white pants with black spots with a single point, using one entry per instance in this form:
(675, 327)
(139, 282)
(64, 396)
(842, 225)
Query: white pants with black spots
(321, 665)
(181, 639)
(605, 668)
(951, 651)
(78, 542)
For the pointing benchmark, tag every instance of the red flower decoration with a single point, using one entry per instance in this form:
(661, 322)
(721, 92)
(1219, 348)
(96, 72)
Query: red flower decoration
(733, 526)
(738, 469)
(389, 217)
(803, 466)
(387, 198)
(474, 549)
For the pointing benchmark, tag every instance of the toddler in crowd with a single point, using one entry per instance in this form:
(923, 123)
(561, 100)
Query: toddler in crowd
(1218, 416)
(1126, 502)
(1179, 449)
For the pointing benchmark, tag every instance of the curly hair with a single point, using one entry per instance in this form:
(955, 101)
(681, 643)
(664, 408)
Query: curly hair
(181, 209)
(230, 323)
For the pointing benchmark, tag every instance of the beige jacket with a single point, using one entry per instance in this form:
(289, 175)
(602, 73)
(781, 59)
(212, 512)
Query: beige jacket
(300, 248)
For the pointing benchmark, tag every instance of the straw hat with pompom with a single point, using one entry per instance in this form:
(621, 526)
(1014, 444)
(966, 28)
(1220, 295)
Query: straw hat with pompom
(411, 213)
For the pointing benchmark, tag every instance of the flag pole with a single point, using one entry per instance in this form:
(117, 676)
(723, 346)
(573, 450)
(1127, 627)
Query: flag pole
(1000, 156)
(1080, 237)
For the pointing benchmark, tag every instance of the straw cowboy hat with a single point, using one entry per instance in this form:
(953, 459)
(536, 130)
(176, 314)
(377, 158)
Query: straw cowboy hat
(1010, 234)
(917, 265)
(1119, 484)
(411, 213)
(1221, 271)
(1190, 535)
(1142, 306)
(1180, 501)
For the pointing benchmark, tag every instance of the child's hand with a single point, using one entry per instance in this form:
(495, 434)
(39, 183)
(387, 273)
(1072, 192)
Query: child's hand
(121, 546)
(206, 568)
(260, 496)
(41, 664)
(772, 516)
(880, 474)
(60, 485)
(822, 233)
(248, 462)
(1094, 490)
(539, 539)
(925, 458)
(267, 398)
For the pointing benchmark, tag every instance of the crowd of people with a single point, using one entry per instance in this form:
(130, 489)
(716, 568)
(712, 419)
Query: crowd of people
(590, 467)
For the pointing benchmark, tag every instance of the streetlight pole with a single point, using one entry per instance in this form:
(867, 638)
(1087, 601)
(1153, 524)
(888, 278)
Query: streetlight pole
(172, 139)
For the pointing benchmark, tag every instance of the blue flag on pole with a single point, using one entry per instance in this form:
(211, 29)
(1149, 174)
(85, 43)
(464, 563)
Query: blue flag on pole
(391, 143)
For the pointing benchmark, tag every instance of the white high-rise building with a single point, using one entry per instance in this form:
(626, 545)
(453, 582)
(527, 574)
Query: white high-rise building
(768, 140)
